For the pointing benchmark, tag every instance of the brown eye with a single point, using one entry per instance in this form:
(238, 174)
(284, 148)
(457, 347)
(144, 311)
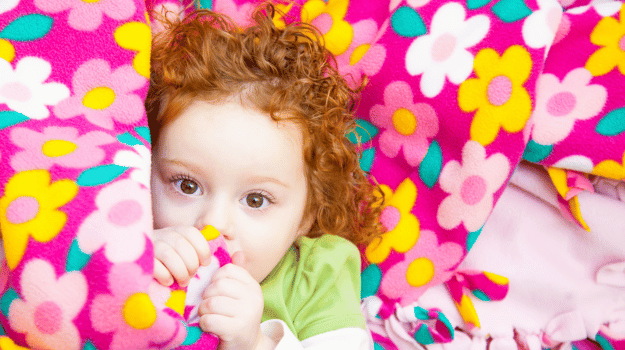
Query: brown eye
(255, 200)
(188, 186)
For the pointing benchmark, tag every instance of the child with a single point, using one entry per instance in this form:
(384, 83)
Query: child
(249, 127)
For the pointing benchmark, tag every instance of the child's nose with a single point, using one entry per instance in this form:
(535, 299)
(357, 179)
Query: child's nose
(217, 215)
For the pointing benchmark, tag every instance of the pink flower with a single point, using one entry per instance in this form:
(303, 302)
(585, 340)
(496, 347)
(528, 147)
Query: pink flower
(407, 124)
(363, 56)
(57, 145)
(102, 95)
(87, 15)
(49, 306)
(471, 186)
(425, 265)
(120, 224)
(560, 105)
(241, 15)
(130, 313)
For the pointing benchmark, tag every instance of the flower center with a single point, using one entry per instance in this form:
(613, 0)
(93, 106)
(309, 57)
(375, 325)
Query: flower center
(473, 190)
(420, 272)
(16, 91)
(561, 104)
(499, 90)
(139, 312)
(125, 213)
(99, 98)
(621, 43)
(390, 217)
(358, 54)
(22, 209)
(90, 1)
(58, 148)
(48, 317)
(443, 47)
(404, 121)
(323, 22)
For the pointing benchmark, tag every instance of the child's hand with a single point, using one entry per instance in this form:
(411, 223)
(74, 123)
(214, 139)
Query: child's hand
(233, 306)
(178, 253)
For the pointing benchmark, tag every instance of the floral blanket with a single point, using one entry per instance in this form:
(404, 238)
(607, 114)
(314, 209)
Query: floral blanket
(458, 93)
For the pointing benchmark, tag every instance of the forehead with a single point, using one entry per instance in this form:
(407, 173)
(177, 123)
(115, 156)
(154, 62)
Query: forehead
(244, 135)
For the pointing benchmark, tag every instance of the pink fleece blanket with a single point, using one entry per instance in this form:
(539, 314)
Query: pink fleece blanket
(458, 93)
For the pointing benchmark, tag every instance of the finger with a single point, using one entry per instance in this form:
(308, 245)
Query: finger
(161, 274)
(221, 326)
(200, 244)
(187, 253)
(172, 262)
(234, 289)
(219, 305)
(234, 272)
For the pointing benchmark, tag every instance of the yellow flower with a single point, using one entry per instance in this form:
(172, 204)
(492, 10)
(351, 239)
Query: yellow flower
(136, 36)
(402, 226)
(29, 208)
(610, 34)
(7, 51)
(497, 93)
(328, 18)
(611, 169)
(281, 12)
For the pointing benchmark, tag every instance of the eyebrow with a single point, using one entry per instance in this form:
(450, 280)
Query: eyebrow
(179, 163)
(261, 179)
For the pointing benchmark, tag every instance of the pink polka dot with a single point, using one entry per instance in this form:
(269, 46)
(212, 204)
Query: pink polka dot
(125, 213)
(323, 22)
(473, 190)
(390, 217)
(16, 91)
(499, 90)
(621, 43)
(22, 209)
(48, 317)
(561, 104)
(443, 47)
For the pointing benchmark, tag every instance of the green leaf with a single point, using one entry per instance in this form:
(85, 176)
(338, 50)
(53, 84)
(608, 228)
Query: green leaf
(76, 258)
(430, 167)
(612, 124)
(366, 159)
(535, 152)
(100, 174)
(10, 118)
(364, 130)
(511, 10)
(193, 334)
(127, 139)
(406, 22)
(476, 4)
(144, 132)
(7, 299)
(27, 28)
(370, 280)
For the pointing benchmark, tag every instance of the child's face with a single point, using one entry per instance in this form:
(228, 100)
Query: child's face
(238, 170)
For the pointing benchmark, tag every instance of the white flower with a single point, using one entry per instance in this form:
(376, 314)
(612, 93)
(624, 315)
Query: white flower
(8, 5)
(539, 28)
(139, 159)
(605, 8)
(24, 91)
(443, 52)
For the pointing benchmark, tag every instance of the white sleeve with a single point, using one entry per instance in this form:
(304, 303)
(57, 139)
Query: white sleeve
(340, 339)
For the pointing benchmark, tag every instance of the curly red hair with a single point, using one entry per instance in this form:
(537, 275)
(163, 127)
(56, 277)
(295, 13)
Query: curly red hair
(285, 73)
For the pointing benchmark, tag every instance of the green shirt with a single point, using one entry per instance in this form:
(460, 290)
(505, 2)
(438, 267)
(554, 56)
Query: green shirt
(315, 288)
